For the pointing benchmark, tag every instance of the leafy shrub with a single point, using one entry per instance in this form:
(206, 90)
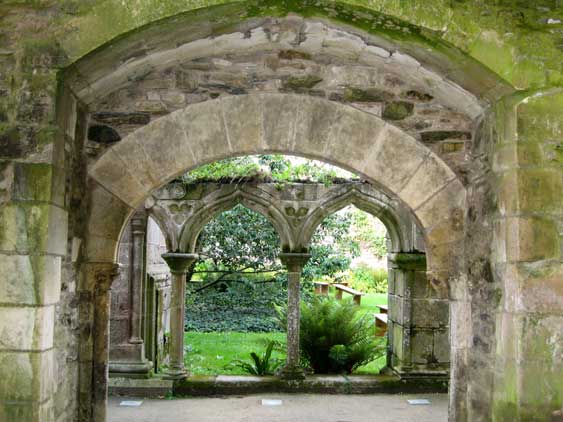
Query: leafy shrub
(334, 338)
(260, 365)
(244, 307)
(369, 280)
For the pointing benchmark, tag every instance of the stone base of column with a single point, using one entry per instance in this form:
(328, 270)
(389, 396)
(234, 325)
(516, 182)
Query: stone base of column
(409, 372)
(130, 369)
(175, 374)
(292, 373)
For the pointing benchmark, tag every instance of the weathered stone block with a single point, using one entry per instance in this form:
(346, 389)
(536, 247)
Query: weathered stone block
(539, 400)
(108, 213)
(314, 127)
(120, 177)
(278, 119)
(396, 308)
(443, 214)
(353, 134)
(26, 376)
(29, 227)
(391, 281)
(382, 163)
(30, 279)
(429, 178)
(419, 284)
(530, 287)
(439, 286)
(531, 190)
(29, 328)
(442, 346)
(205, 132)
(401, 284)
(444, 257)
(101, 249)
(247, 134)
(422, 347)
(27, 411)
(539, 118)
(32, 182)
(430, 313)
(530, 238)
(398, 341)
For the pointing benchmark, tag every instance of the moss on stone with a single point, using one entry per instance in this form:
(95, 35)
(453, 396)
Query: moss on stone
(357, 95)
(398, 110)
(442, 135)
(293, 55)
(299, 84)
(32, 181)
(486, 32)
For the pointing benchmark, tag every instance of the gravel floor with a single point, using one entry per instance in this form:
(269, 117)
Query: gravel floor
(294, 408)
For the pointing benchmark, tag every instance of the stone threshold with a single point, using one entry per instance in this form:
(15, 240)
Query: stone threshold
(223, 385)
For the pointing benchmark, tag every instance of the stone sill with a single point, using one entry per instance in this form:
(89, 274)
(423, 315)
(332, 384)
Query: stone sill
(220, 385)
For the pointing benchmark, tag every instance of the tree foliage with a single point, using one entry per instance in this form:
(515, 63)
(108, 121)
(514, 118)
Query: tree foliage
(272, 167)
(239, 277)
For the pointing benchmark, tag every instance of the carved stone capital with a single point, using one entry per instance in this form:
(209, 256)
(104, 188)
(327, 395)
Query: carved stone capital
(294, 261)
(407, 261)
(179, 262)
(138, 222)
(101, 275)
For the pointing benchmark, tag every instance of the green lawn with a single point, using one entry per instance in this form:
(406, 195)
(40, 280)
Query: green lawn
(371, 300)
(211, 353)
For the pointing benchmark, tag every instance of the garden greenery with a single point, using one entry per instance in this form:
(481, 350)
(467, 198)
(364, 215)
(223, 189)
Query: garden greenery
(239, 279)
(334, 338)
(260, 365)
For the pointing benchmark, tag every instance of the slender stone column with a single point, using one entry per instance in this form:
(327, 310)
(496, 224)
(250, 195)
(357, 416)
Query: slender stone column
(178, 264)
(294, 263)
(102, 275)
(138, 229)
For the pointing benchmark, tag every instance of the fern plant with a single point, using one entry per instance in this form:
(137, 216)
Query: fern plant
(260, 365)
(333, 337)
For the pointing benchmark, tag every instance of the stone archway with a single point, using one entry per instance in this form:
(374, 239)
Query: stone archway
(126, 174)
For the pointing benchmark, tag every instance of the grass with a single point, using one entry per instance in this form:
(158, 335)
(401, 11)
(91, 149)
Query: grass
(211, 353)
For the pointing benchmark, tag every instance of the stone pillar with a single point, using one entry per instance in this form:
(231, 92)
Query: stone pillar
(128, 358)
(528, 261)
(138, 230)
(294, 263)
(150, 319)
(178, 264)
(418, 321)
(99, 277)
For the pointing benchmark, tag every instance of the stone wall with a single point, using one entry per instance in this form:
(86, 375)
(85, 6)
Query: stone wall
(513, 215)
